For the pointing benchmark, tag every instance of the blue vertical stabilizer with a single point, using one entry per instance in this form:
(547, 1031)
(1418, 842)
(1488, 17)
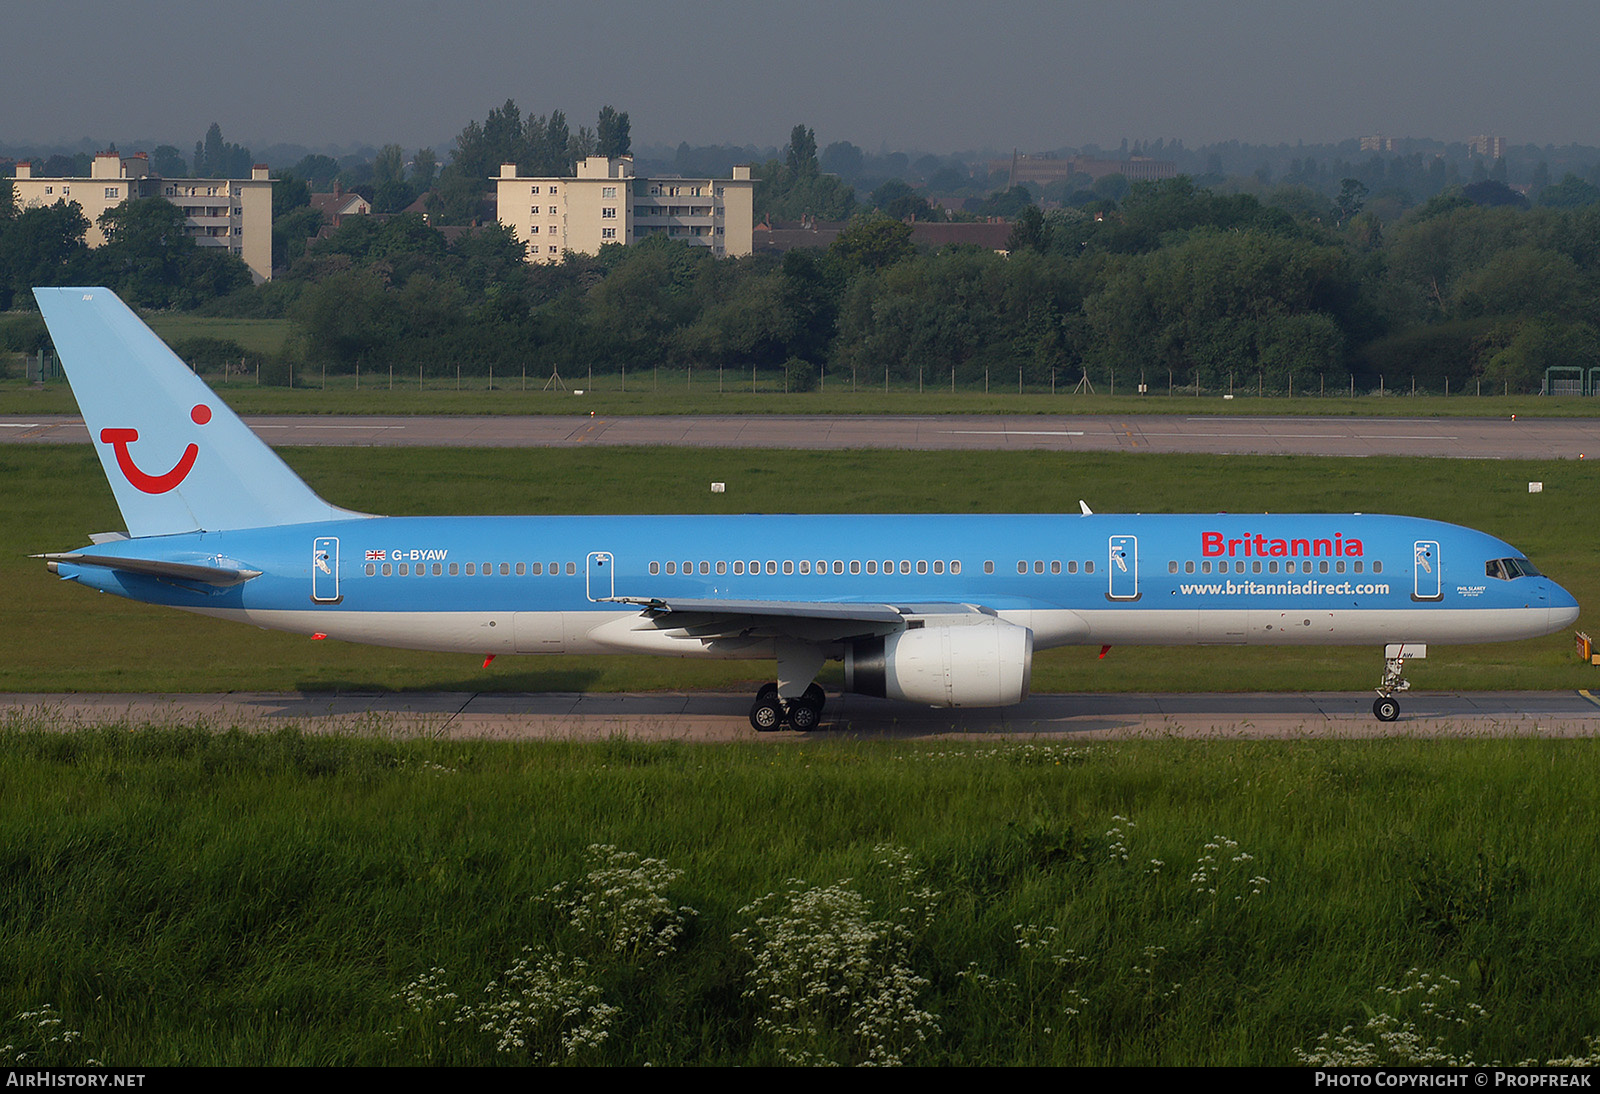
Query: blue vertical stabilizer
(178, 459)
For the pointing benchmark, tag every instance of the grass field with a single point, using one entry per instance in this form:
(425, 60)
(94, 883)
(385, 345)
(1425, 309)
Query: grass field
(184, 897)
(257, 335)
(676, 392)
(57, 636)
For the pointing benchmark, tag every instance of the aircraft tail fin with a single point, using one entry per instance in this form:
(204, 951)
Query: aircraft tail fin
(178, 459)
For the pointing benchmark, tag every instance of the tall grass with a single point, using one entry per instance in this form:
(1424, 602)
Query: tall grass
(181, 895)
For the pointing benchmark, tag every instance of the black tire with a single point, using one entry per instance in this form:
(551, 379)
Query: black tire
(816, 697)
(1385, 709)
(803, 715)
(767, 694)
(766, 715)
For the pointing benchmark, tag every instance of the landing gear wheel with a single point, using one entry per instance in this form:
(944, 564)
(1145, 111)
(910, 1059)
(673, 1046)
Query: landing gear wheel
(766, 715)
(804, 715)
(767, 694)
(1385, 709)
(815, 696)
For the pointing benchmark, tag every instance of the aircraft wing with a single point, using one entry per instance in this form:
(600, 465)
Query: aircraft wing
(811, 621)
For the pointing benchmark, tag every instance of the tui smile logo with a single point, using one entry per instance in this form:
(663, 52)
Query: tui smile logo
(120, 439)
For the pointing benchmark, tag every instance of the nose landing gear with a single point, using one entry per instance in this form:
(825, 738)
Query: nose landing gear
(1386, 708)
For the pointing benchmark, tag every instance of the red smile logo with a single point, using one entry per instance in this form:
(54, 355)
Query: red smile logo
(120, 439)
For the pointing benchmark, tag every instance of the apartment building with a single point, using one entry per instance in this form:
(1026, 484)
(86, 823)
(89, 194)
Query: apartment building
(231, 213)
(606, 203)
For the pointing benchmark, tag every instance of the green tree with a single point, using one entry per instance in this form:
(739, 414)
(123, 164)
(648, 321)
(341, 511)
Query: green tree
(43, 245)
(612, 133)
(801, 155)
(895, 198)
(1570, 193)
(168, 162)
(873, 242)
(424, 168)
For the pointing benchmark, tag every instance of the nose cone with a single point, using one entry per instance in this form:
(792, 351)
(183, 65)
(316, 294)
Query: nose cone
(1563, 607)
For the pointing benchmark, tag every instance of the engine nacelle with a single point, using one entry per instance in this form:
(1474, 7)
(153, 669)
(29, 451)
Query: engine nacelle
(984, 664)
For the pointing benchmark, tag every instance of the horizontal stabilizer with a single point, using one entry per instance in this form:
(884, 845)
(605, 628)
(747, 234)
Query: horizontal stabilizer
(149, 567)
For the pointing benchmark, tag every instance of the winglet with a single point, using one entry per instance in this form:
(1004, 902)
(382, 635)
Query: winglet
(1083, 505)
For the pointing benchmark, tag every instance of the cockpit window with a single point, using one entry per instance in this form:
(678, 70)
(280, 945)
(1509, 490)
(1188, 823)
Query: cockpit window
(1506, 569)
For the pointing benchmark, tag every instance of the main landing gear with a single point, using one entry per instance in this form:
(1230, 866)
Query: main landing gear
(770, 712)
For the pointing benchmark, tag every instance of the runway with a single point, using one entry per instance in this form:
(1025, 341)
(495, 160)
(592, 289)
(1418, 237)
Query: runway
(720, 716)
(1460, 438)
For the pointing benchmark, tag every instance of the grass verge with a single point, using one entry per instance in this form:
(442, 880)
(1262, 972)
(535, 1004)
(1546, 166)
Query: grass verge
(177, 895)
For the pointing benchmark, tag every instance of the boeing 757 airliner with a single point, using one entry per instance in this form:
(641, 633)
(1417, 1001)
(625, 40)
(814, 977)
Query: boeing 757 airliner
(937, 609)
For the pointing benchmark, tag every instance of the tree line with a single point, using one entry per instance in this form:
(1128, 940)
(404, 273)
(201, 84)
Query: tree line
(1289, 289)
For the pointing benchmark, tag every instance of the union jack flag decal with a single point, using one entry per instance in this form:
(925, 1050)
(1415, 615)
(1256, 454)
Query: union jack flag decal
(376, 556)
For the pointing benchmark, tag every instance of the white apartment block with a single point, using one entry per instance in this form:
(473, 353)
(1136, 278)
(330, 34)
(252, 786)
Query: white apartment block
(605, 203)
(231, 213)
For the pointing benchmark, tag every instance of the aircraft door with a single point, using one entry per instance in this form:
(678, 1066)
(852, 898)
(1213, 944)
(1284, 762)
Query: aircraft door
(1123, 566)
(601, 582)
(325, 570)
(1425, 571)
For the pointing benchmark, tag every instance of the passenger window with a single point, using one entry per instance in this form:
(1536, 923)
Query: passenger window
(838, 566)
(855, 565)
(772, 567)
(805, 567)
(788, 567)
(672, 567)
(722, 567)
(1188, 566)
(872, 565)
(1377, 565)
(1022, 567)
(955, 565)
(938, 566)
(922, 565)
(455, 569)
(1072, 565)
(1088, 567)
(438, 569)
(472, 569)
(988, 567)
(655, 567)
(905, 566)
(405, 569)
(1172, 567)
(1322, 567)
(1358, 566)
(572, 568)
(371, 569)
(1038, 566)
(705, 567)
(386, 570)
(1205, 567)
(738, 566)
(1055, 565)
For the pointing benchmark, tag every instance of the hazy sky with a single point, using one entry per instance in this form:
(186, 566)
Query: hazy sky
(934, 75)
